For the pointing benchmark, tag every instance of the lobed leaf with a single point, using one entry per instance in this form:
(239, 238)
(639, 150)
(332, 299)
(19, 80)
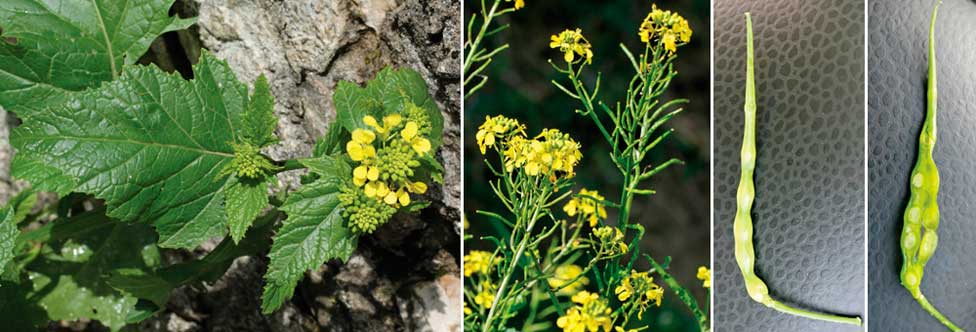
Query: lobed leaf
(313, 233)
(59, 46)
(150, 144)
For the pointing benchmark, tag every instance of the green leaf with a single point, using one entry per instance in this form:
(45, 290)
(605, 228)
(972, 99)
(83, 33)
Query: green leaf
(388, 93)
(67, 45)
(22, 204)
(331, 143)
(150, 144)
(8, 236)
(42, 177)
(245, 200)
(313, 233)
(69, 280)
(259, 120)
(156, 287)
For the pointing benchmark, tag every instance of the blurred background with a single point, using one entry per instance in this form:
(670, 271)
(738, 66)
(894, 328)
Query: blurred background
(677, 217)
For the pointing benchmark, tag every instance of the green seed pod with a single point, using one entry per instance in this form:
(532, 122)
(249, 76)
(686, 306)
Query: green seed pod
(922, 213)
(745, 253)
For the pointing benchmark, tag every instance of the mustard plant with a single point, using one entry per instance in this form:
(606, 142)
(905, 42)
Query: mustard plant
(560, 263)
(145, 161)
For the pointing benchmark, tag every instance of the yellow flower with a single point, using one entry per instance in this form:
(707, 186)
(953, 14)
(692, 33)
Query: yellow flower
(519, 4)
(477, 261)
(390, 198)
(664, 27)
(467, 311)
(420, 145)
(565, 274)
(640, 289)
(409, 131)
(403, 197)
(572, 43)
(389, 122)
(417, 187)
(377, 189)
(550, 152)
(589, 204)
(591, 314)
(496, 127)
(484, 299)
(705, 276)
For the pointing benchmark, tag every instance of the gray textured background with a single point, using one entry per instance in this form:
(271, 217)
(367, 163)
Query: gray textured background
(809, 209)
(898, 59)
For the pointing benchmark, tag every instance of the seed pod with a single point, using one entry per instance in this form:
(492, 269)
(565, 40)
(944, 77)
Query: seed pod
(745, 253)
(921, 219)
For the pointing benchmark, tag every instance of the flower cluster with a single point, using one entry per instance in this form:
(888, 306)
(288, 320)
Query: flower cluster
(568, 279)
(588, 204)
(572, 43)
(611, 240)
(590, 314)
(248, 162)
(387, 154)
(705, 276)
(496, 128)
(640, 289)
(665, 27)
(485, 294)
(478, 261)
(548, 153)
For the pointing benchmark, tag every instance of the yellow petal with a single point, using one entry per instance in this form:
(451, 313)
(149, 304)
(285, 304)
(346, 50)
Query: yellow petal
(370, 189)
(371, 121)
(373, 173)
(568, 56)
(390, 198)
(392, 120)
(421, 145)
(359, 182)
(403, 197)
(418, 187)
(363, 136)
(360, 172)
(409, 131)
(382, 190)
(553, 41)
(355, 151)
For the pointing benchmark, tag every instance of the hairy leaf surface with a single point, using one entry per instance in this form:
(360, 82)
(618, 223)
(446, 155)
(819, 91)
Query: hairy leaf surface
(313, 233)
(150, 143)
(68, 45)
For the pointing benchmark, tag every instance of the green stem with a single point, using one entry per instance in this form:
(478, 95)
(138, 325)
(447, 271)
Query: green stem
(934, 312)
(779, 306)
(469, 59)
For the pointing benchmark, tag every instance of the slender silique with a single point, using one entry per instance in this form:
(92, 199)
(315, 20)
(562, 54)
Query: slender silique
(918, 236)
(745, 253)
